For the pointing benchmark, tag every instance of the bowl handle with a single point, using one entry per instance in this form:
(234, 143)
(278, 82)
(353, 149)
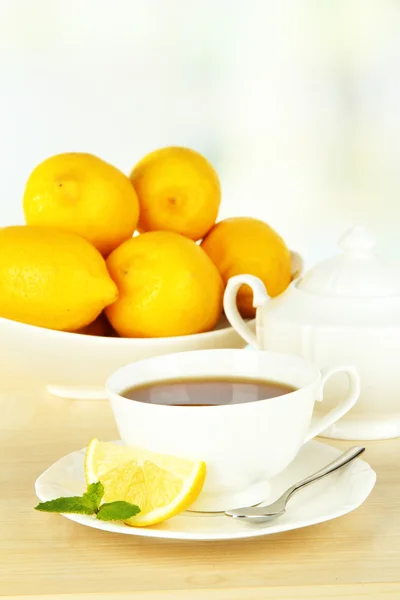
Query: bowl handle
(297, 263)
(260, 297)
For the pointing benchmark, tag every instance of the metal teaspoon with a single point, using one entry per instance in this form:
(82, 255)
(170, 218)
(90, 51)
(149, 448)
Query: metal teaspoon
(259, 514)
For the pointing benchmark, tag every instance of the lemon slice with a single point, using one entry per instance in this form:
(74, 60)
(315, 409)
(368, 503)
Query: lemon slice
(162, 486)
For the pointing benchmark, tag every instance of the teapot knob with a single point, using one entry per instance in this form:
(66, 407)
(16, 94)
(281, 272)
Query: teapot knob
(357, 239)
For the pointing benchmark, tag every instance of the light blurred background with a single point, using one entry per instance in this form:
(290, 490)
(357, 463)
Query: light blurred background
(296, 102)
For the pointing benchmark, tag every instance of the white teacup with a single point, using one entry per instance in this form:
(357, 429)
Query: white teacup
(243, 445)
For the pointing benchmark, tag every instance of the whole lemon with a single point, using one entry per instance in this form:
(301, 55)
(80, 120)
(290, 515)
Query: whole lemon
(245, 245)
(167, 286)
(178, 190)
(52, 278)
(81, 193)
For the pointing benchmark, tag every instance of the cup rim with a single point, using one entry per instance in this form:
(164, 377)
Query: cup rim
(114, 391)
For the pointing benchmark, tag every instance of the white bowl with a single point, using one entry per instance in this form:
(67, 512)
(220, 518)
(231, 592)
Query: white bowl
(73, 365)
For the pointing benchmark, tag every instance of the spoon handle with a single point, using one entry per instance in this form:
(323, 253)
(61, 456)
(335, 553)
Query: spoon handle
(333, 466)
(277, 508)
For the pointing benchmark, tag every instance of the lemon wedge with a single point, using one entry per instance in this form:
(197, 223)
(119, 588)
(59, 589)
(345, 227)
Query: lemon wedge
(162, 486)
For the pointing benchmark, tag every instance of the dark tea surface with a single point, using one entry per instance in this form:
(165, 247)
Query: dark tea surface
(207, 391)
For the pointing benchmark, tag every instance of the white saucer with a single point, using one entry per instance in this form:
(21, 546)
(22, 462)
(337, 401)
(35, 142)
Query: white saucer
(327, 499)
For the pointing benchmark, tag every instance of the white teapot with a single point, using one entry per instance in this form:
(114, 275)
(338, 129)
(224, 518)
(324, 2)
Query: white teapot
(346, 310)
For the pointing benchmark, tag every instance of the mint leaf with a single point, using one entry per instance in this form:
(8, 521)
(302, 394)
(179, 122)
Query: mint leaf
(117, 511)
(93, 495)
(89, 504)
(74, 504)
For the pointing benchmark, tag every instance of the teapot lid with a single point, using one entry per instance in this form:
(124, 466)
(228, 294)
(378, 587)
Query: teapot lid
(356, 273)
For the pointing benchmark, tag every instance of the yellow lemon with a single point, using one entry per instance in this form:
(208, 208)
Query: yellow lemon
(167, 286)
(162, 486)
(52, 278)
(81, 193)
(246, 245)
(178, 190)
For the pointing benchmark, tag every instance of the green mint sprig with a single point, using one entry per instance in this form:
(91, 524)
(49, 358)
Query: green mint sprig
(90, 504)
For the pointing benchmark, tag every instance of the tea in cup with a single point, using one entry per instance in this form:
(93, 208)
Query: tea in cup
(246, 414)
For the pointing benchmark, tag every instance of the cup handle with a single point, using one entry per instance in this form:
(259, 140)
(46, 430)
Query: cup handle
(260, 297)
(343, 407)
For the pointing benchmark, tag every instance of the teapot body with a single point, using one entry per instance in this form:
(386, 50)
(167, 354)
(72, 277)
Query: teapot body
(334, 331)
(345, 310)
(373, 350)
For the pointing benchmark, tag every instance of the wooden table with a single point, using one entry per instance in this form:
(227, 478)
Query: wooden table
(356, 556)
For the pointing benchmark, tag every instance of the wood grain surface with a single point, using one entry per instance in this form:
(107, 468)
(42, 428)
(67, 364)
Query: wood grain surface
(354, 557)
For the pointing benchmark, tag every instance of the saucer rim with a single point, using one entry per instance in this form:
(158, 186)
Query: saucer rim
(258, 530)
